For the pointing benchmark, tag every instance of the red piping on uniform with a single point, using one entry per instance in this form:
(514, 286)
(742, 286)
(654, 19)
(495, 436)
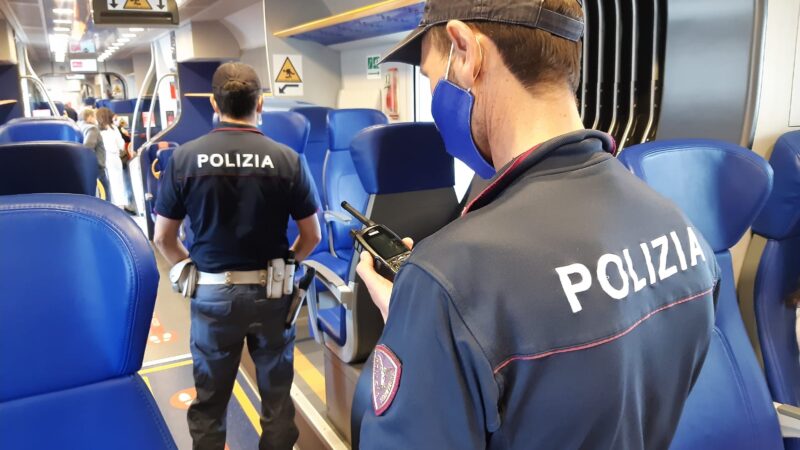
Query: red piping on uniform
(514, 165)
(602, 341)
(248, 130)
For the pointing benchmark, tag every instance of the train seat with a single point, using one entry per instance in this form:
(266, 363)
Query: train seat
(778, 275)
(46, 106)
(47, 167)
(729, 406)
(340, 179)
(118, 106)
(292, 129)
(154, 159)
(317, 146)
(79, 284)
(416, 207)
(30, 129)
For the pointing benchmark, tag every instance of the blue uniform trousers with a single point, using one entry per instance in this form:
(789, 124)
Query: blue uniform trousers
(223, 317)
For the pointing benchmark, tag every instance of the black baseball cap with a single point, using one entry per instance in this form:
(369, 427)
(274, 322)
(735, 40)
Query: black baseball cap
(235, 76)
(528, 13)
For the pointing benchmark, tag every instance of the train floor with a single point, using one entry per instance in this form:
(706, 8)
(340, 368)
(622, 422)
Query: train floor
(167, 371)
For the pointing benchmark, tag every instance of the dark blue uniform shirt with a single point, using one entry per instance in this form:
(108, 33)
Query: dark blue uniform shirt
(238, 188)
(571, 307)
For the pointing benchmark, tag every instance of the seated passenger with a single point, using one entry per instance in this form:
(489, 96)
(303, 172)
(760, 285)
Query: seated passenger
(93, 140)
(570, 306)
(238, 189)
(70, 112)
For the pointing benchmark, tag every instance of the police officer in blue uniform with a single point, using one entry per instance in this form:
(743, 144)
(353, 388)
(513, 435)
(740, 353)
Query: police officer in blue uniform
(238, 188)
(570, 306)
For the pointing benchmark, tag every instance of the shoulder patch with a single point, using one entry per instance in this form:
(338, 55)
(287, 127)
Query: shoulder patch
(386, 371)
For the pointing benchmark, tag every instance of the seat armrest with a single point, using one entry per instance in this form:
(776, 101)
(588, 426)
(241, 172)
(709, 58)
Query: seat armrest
(340, 290)
(335, 216)
(789, 418)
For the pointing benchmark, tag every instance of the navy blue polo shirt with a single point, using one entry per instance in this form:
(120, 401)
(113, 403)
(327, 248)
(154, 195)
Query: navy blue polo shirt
(238, 189)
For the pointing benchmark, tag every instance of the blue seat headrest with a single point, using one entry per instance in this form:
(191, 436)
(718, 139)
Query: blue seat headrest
(288, 128)
(120, 106)
(47, 167)
(78, 281)
(28, 129)
(780, 218)
(318, 117)
(345, 124)
(704, 178)
(402, 157)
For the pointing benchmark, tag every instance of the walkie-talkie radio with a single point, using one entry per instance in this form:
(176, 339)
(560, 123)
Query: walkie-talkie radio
(382, 243)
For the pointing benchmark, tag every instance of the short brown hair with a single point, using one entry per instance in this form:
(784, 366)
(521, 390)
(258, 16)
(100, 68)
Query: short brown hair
(533, 56)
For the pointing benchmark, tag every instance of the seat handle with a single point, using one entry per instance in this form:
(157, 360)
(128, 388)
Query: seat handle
(335, 216)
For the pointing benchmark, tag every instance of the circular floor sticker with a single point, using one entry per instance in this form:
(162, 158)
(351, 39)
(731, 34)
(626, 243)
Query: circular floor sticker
(182, 399)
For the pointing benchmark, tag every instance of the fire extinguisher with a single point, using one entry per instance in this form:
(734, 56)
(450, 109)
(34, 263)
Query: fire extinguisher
(392, 109)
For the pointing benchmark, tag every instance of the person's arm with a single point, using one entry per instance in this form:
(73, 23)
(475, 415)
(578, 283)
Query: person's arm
(90, 137)
(309, 237)
(444, 393)
(380, 289)
(171, 211)
(303, 207)
(167, 242)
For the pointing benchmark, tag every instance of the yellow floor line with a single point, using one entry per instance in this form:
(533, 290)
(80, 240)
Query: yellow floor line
(147, 382)
(247, 407)
(165, 367)
(310, 374)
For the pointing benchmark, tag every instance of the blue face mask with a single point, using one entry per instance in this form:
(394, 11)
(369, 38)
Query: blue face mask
(451, 108)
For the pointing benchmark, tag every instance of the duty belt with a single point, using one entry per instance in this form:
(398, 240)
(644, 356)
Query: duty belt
(277, 278)
(233, 277)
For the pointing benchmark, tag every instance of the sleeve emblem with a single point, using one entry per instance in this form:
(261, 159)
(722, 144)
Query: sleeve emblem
(386, 371)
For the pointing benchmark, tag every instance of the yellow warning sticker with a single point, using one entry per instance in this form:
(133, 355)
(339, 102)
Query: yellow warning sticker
(288, 73)
(137, 4)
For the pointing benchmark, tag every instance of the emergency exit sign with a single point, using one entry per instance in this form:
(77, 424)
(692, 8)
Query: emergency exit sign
(373, 70)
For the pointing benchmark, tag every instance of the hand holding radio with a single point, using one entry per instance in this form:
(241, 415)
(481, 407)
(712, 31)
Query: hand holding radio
(384, 253)
(379, 287)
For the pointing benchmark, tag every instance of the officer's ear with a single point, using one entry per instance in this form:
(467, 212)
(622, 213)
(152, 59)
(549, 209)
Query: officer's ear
(214, 106)
(467, 58)
(260, 104)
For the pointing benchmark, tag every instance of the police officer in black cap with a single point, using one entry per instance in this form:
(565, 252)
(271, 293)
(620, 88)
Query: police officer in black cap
(238, 188)
(570, 306)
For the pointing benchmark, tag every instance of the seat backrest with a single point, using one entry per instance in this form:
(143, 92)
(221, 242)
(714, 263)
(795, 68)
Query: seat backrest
(154, 161)
(729, 406)
(288, 128)
(292, 129)
(30, 129)
(119, 106)
(340, 180)
(78, 281)
(778, 274)
(47, 167)
(412, 206)
(317, 146)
